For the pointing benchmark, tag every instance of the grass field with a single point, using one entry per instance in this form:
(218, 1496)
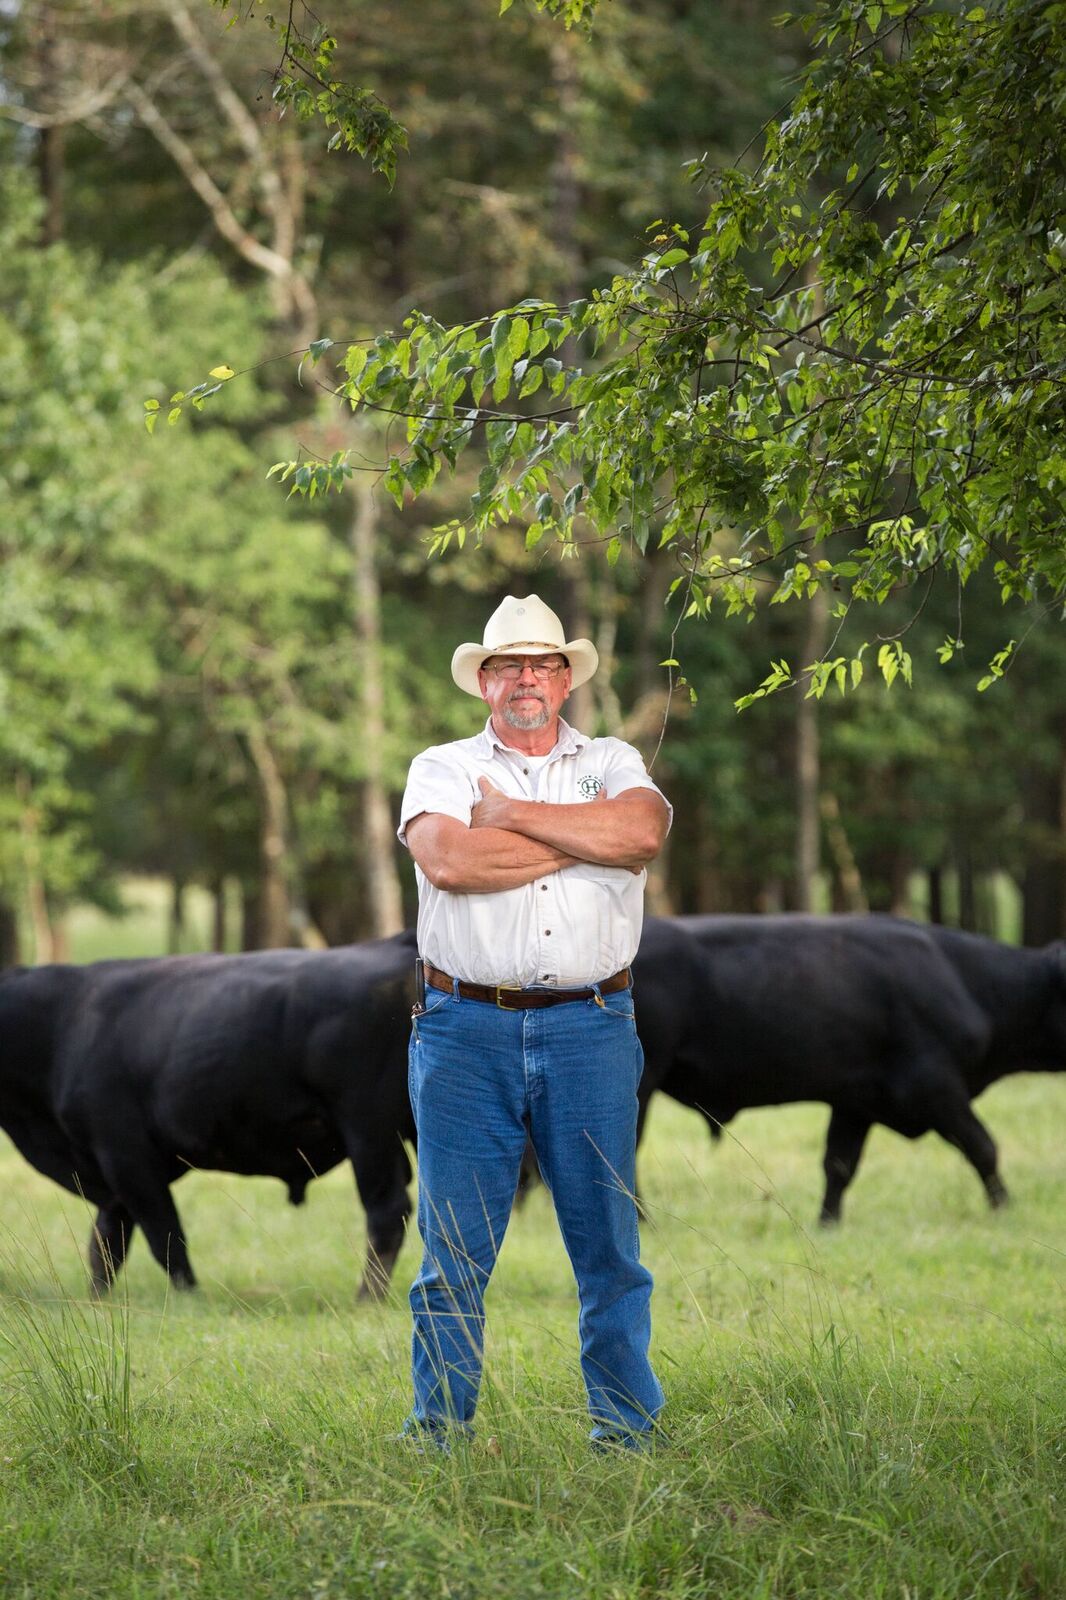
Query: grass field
(880, 1411)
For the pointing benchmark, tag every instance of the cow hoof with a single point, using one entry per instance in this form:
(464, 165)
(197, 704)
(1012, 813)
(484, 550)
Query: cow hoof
(997, 1193)
(829, 1219)
(183, 1281)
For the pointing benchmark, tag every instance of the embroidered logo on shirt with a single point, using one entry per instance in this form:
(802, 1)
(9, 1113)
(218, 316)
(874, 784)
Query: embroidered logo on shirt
(590, 786)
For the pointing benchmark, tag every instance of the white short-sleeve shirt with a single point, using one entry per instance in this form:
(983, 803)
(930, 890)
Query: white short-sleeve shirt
(570, 928)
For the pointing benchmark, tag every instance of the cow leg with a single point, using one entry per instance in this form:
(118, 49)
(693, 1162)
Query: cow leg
(642, 1117)
(108, 1243)
(381, 1179)
(528, 1174)
(843, 1147)
(961, 1126)
(151, 1207)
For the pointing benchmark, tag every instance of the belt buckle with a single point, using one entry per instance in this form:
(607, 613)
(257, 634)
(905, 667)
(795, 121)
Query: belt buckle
(506, 988)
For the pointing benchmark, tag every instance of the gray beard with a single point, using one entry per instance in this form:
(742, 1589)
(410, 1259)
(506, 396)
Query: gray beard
(526, 721)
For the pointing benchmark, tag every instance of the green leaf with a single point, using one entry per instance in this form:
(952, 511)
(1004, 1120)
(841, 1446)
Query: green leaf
(501, 333)
(531, 382)
(518, 338)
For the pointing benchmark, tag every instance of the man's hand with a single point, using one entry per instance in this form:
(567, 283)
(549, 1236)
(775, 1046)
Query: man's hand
(491, 810)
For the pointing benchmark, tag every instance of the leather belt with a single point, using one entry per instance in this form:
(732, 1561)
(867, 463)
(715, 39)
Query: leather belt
(515, 999)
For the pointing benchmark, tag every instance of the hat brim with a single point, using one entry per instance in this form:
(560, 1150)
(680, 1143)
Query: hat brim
(581, 654)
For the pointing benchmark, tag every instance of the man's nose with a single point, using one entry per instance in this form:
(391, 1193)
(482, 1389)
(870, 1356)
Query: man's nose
(527, 666)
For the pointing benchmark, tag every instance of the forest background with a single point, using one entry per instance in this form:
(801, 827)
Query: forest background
(211, 683)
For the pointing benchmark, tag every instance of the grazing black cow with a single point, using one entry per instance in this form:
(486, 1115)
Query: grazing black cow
(888, 1021)
(115, 1078)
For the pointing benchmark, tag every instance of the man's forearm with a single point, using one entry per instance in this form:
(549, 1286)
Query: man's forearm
(485, 860)
(624, 832)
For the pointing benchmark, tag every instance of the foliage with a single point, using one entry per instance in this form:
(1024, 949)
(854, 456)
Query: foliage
(859, 363)
(67, 665)
(177, 601)
(168, 603)
(305, 81)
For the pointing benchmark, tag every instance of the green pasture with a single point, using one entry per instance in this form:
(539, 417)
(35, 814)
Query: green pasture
(879, 1411)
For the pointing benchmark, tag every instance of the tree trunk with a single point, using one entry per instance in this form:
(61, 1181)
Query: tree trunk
(1044, 880)
(50, 168)
(565, 211)
(9, 936)
(275, 917)
(848, 891)
(770, 900)
(51, 137)
(36, 897)
(967, 896)
(578, 615)
(900, 884)
(251, 918)
(935, 876)
(379, 844)
(808, 813)
(176, 919)
(218, 914)
(609, 711)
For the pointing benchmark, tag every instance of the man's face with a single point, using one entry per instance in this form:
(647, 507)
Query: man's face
(526, 692)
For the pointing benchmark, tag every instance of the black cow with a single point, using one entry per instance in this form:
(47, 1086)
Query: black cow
(115, 1078)
(888, 1021)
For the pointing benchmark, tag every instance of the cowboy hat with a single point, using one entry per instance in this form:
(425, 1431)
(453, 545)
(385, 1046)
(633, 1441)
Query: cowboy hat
(523, 627)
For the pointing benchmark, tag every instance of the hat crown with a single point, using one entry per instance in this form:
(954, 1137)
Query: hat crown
(524, 625)
(523, 621)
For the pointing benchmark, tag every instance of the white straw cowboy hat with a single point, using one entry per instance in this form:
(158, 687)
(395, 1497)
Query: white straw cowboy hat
(525, 627)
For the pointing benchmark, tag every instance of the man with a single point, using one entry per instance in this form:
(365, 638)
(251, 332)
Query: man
(530, 842)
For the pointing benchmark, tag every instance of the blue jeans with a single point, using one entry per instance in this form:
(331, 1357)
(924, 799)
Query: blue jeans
(480, 1079)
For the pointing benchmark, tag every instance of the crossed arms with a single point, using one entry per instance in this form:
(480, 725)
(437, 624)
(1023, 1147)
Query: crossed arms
(512, 842)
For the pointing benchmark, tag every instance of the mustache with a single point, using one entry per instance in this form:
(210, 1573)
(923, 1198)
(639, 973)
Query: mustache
(525, 694)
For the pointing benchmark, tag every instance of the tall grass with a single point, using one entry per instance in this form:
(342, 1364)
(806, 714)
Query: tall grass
(65, 1375)
(880, 1412)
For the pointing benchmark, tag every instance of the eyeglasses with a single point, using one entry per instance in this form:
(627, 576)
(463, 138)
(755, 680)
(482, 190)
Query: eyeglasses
(511, 671)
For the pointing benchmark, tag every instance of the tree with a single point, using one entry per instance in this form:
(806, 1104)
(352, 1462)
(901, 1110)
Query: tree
(858, 366)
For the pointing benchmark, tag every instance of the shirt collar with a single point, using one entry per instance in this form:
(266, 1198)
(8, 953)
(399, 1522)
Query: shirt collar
(569, 741)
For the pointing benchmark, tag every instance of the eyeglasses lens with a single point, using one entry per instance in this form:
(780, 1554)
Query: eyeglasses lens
(511, 671)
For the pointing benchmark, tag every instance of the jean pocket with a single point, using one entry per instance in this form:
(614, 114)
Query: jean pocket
(619, 1013)
(437, 1001)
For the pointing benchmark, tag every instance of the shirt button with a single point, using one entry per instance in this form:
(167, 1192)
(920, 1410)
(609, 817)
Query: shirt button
(544, 888)
(547, 933)
(526, 771)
